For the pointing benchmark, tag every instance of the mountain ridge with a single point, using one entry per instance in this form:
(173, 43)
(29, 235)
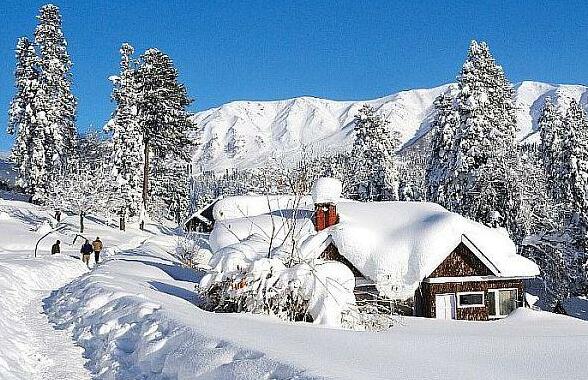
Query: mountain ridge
(245, 134)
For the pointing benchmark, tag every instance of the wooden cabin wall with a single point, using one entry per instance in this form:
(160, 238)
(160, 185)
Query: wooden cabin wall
(425, 296)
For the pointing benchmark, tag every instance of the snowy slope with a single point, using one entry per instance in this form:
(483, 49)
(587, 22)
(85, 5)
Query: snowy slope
(245, 134)
(134, 317)
(31, 348)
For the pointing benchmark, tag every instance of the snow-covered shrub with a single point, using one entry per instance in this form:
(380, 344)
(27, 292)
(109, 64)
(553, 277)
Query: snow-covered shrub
(193, 250)
(243, 278)
(370, 316)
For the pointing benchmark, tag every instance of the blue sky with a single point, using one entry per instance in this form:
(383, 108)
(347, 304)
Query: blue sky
(228, 50)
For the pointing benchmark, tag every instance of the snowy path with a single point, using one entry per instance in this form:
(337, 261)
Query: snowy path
(53, 351)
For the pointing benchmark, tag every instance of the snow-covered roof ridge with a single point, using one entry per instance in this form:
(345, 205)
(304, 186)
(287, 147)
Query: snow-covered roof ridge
(401, 243)
(198, 213)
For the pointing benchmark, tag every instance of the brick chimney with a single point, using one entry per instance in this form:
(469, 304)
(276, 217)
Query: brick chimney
(326, 192)
(325, 215)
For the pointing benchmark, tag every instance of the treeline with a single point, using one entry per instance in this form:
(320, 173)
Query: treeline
(137, 167)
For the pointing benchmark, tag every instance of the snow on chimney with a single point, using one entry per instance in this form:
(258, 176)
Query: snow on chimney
(326, 192)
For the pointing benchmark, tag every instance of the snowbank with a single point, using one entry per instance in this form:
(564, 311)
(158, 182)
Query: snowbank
(397, 244)
(134, 318)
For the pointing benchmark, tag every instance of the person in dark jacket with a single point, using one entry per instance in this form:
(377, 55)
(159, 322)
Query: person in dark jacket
(55, 248)
(86, 251)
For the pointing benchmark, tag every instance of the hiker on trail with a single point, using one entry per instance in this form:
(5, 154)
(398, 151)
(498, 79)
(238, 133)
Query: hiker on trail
(86, 251)
(55, 248)
(97, 247)
(58, 216)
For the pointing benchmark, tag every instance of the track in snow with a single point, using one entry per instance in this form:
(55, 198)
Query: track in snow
(56, 355)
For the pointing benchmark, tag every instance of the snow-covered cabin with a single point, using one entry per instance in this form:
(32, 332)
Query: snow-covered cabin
(449, 266)
(445, 265)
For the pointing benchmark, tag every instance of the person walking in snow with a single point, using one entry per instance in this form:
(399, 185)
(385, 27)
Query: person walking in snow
(97, 247)
(55, 248)
(86, 251)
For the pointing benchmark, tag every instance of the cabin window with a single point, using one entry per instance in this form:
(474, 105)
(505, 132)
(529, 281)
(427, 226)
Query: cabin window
(470, 299)
(501, 302)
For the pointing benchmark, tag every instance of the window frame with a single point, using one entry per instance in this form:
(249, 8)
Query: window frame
(460, 306)
(496, 292)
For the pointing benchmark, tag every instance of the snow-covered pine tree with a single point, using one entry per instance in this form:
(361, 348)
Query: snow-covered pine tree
(551, 151)
(127, 139)
(484, 184)
(24, 120)
(164, 119)
(374, 147)
(440, 166)
(56, 95)
(575, 155)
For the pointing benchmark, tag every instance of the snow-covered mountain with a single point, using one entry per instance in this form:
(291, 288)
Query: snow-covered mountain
(245, 134)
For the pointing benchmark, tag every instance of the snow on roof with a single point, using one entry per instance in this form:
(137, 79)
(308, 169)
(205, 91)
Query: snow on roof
(398, 244)
(276, 229)
(327, 190)
(243, 206)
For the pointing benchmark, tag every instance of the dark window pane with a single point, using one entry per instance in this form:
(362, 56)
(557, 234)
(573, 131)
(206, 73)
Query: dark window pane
(471, 299)
(491, 303)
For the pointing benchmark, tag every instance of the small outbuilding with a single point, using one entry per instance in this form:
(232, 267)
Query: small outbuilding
(203, 219)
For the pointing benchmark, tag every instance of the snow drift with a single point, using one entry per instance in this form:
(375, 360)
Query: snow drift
(20, 282)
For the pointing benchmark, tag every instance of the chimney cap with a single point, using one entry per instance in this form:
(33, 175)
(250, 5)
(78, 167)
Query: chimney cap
(326, 190)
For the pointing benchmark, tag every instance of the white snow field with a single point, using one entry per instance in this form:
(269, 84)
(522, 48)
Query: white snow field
(134, 317)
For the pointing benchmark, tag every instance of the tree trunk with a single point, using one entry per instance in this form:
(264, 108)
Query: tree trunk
(82, 222)
(146, 174)
(121, 224)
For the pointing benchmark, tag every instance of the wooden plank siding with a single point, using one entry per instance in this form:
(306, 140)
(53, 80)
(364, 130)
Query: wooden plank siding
(425, 296)
(461, 263)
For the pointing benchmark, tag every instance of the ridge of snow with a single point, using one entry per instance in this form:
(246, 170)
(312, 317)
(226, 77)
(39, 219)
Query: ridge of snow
(245, 134)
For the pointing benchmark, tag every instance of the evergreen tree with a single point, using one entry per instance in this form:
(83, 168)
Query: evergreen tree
(24, 120)
(127, 139)
(483, 183)
(555, 205)
(164, 119)
(440, 164)
(551, 151)
(57, 98)
(376, 176)
(575, 156)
